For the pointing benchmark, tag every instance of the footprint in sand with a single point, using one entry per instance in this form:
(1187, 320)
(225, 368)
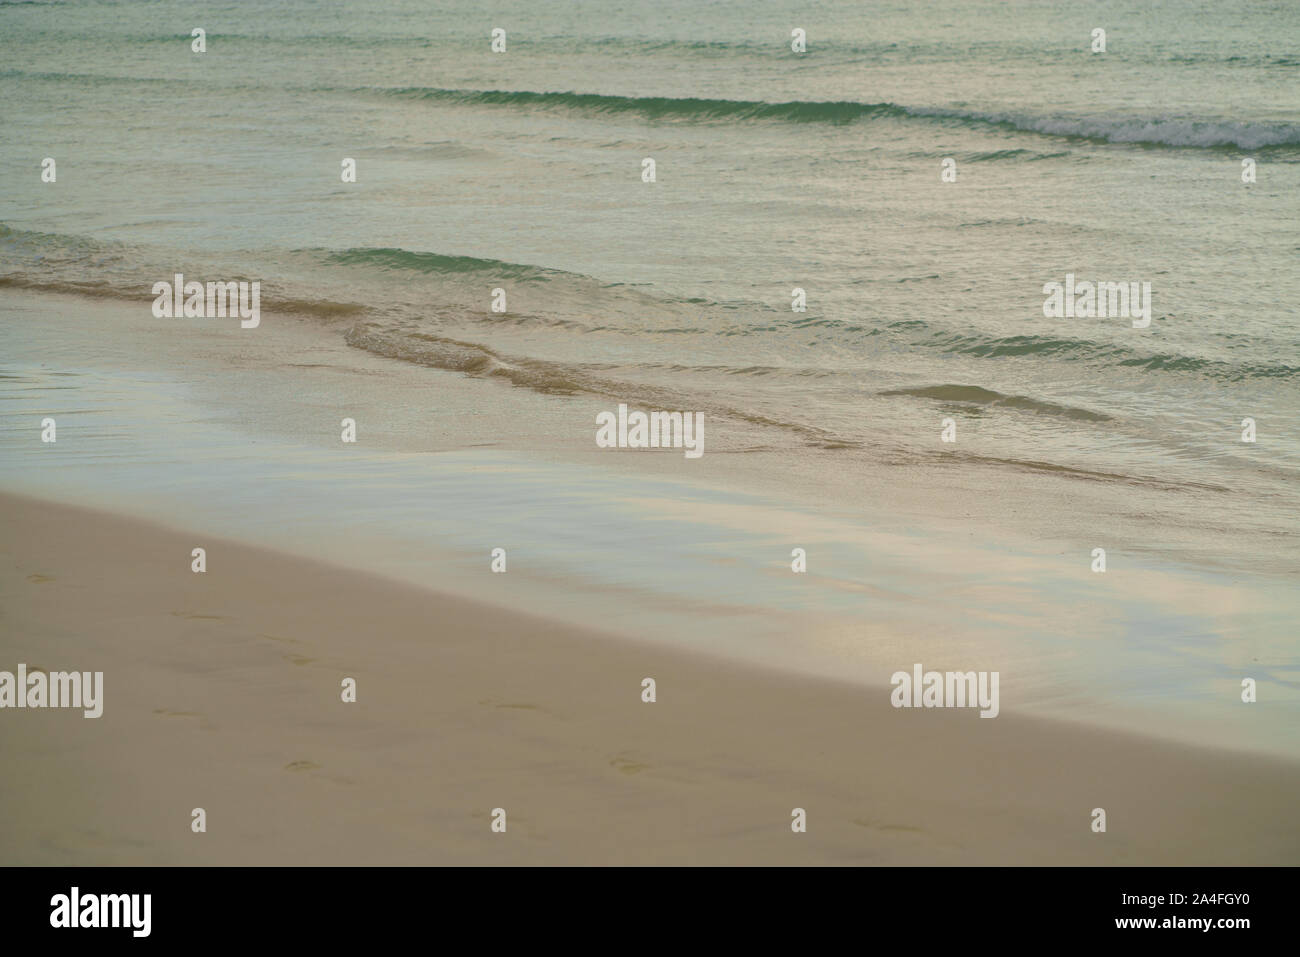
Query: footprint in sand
(906, 829)
(292, 641)
(627, 765)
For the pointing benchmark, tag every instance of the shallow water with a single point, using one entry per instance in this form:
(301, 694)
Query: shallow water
(661, 557)
(775, 170)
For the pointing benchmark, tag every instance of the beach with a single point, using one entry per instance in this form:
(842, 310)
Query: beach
(679, 432)
(222, 691)
(522, 691)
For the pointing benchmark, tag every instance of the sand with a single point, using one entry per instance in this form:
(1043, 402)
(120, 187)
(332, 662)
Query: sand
(222, 691)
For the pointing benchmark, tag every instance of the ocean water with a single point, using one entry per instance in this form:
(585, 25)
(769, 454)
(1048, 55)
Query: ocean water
(821, 170)
(774, 170)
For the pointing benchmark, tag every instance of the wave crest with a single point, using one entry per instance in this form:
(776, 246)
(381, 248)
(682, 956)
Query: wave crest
(1157, 131)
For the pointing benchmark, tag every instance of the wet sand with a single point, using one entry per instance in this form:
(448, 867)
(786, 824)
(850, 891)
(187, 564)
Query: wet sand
(222, 691)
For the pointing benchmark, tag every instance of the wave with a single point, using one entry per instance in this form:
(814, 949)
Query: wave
(1160, 131)
(1105, 353)
(469, 358)
(558, 378)
(1157, 131)
(1095, 475)
(94, 289)
(656, 107)
(1151, 131)
(59, 263)
(1016, 155)
(971, 394)
(438, 264)
(142, 292)
(414, 338)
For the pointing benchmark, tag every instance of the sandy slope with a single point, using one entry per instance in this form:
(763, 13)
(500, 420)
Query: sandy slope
(222, 691)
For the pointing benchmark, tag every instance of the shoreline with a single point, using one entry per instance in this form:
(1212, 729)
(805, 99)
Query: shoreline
(221, 691)
(240, 371)
(205, 431)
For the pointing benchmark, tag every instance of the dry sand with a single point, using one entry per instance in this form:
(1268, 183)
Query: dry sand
(222, 691)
